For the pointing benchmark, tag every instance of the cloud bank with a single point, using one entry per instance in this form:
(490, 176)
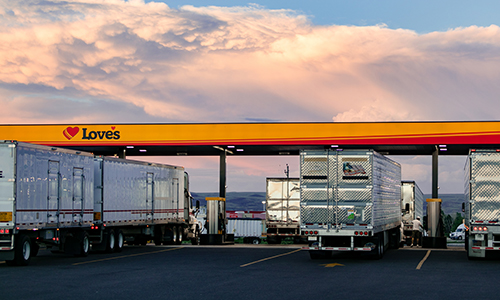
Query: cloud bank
(115, 61)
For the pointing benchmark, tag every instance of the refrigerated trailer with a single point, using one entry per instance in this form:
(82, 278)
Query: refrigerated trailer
(349, 201)
(137, 201)
(46, 197)
(482, 203)
(282, 209)
(412, 206)
(69, 201)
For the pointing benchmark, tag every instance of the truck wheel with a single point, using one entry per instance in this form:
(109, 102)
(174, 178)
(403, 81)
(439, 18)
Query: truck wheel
(179, 235)
(380, 247)
(110, 241)
(175, 235)
(84, 244)
(119, 241)
(22, 252)
(378, 250)
(196, 239)
(256, 241)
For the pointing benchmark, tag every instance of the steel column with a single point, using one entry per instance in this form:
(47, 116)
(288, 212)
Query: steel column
(435, 185)
(222, 175)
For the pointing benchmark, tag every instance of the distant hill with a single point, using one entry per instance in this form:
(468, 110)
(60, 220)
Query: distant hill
(236, 200)
(451, 203)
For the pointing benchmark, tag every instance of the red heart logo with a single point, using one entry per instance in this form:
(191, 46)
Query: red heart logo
(113, 127)
(70, 132)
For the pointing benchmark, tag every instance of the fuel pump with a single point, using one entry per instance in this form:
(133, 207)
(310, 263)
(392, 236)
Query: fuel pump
(216, 223)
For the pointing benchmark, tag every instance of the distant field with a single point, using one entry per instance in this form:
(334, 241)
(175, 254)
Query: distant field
(452, 203)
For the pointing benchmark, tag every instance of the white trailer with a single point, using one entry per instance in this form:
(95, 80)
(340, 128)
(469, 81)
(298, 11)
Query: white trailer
(140, 201)
(69, 200)
(482, 203)
(46, 197)
(251, 230)
(282, 209)
(412, 207)
(349, 201)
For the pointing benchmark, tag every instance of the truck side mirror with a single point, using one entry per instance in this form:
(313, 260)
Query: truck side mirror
(463, 206)
(407, 207)
(197, 204)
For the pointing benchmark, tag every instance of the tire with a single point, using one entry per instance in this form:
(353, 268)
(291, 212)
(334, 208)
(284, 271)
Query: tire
(378, 252)
(174, 235)
(256, 241)
(110, 241)
(381, 246)
(180, 231)
(196, 239)
(460, 238)
(22, 251)
(119, 241)
(83, 244)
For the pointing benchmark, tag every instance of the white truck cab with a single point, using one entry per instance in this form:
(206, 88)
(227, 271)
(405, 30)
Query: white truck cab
(458, 234)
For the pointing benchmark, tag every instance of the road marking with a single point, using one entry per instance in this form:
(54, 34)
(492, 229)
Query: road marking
(264, 259)
(124, 256)
(423, 260)
(332, 265)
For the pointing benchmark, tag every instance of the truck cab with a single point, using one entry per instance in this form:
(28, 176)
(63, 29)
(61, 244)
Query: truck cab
(459, 233)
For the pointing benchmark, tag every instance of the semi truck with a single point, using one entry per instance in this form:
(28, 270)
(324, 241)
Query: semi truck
(349, 201)
(70, 201)
(482, 203)
(412, 206)
(282, 210)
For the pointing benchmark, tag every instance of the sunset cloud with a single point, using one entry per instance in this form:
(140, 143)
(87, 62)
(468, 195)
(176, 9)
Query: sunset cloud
(115, 61)
(203, 64)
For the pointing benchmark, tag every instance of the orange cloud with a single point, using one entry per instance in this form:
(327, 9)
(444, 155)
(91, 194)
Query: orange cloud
(234, 64)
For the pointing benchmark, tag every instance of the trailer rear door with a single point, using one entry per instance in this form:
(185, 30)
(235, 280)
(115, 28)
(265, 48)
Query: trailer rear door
(7, 184)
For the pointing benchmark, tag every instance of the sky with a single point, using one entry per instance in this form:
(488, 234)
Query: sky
(115, 61)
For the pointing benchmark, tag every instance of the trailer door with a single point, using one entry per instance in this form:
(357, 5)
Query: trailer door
(78, 189)
(53, 193)
(175, 197)
(149, 195)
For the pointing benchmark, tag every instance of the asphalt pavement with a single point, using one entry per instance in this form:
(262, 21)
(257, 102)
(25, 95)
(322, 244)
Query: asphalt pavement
(251, 272)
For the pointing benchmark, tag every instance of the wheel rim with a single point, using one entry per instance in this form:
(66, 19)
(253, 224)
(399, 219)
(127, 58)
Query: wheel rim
(111, 240)
(174, 229)
(26, 250)
(119, 240)
(86, 244)
(179, 235)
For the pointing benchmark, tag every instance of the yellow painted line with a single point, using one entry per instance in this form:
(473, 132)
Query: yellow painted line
(332, 265)
(124, 256)
(268, 258)
(423, 260)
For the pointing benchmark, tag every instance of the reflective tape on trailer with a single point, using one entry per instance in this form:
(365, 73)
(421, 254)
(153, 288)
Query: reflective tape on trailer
(338, 248)
(282, 234)
(485, 248)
